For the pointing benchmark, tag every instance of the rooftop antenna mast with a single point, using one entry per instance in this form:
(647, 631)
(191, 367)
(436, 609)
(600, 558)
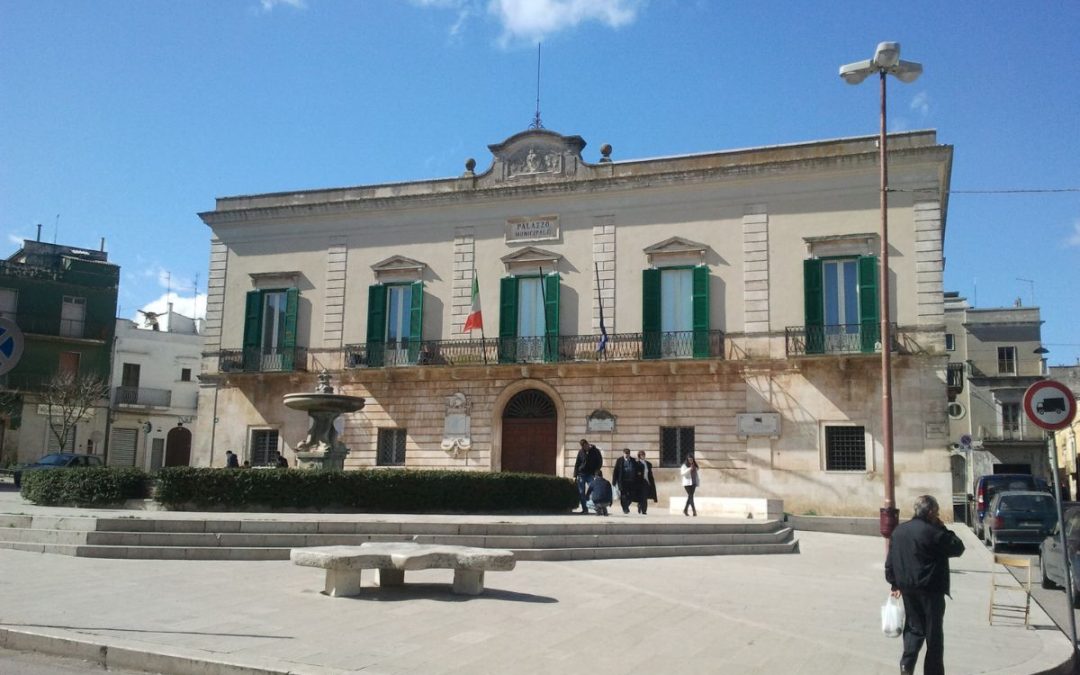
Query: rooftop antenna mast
(536, 123)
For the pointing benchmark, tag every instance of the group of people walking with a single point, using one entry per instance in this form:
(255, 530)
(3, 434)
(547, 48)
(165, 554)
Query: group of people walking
(632, 481)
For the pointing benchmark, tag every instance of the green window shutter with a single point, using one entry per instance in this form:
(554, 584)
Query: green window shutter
(814, 304)
(416, 320)
(869, 317)
(508, 311)
(292, 301)
(376, 324)
(252, 332)
(700, 302)
(551, 317)
(650, 314)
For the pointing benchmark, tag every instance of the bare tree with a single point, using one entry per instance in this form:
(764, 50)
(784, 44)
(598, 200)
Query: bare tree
(69, 397)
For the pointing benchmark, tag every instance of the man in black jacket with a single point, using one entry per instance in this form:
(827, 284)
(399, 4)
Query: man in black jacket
(917, 567)
(588, 461)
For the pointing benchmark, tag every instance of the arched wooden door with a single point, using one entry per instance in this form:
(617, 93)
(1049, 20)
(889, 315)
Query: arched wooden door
(529, 430)
(178, 447)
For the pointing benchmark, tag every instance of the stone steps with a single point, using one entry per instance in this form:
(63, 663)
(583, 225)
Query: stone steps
(262, 539)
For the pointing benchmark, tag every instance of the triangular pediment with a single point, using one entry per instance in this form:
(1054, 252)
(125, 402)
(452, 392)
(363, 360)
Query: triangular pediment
(530, 254)
(398, 263)
(674, 245)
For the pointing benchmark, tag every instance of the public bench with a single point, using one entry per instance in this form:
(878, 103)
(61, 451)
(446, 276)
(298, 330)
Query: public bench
(390, 560)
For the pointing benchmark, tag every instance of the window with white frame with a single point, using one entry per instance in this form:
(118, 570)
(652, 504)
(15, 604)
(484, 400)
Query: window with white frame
(72, 316)
(1010, 419)
(845, 448)
(950, 342)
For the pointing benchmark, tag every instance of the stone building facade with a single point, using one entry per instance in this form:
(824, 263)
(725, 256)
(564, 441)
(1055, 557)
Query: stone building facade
(723, 304)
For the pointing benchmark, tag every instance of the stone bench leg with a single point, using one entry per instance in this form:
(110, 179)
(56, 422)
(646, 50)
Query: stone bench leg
(342, 583)
(468, 582)
(388, 577)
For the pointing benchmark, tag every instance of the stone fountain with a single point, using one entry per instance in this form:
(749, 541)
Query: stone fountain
(322, 449)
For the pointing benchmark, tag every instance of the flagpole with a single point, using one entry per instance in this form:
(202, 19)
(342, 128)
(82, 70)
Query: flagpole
(600, 300)
(483, 341)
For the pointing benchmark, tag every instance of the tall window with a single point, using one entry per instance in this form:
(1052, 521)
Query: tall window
(845, 448)
(950, 342)
(1010, 419)
(529, 318)
(675, 312)
(9, 303)
(69, 363)
(72, 316)
(391, 450)
(129, 384)
(264, 447)
(185, 374)
(395, 323)
(841, 305)
(675, 444)
(270, 329)
(1007, 360)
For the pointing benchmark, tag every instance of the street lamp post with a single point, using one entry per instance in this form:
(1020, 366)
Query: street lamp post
(886, 61)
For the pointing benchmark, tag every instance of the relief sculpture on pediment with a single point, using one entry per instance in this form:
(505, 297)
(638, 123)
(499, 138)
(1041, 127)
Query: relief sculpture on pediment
(535, 160)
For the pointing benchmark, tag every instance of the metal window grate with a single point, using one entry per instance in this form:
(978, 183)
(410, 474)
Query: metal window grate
(264, 446)
(845, 448)
(391, 450)
(675, 444)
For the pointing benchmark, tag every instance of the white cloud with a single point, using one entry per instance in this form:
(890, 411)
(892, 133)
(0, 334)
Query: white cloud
(192, 306)
(533, 20)
(1074, 238)
(269, 5)
(16, 239)
(921, 103)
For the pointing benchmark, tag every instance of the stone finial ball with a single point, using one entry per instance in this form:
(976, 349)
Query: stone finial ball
(605, 150)
(470, 164)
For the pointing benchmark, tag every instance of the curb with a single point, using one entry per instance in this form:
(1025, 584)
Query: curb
(114, 656)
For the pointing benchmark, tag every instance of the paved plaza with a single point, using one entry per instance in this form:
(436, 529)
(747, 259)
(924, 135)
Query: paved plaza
(815, 612)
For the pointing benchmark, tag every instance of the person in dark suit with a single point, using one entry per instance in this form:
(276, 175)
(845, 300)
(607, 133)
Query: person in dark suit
(588, 462)
(626, 476)
(646, 485)
(917, 568)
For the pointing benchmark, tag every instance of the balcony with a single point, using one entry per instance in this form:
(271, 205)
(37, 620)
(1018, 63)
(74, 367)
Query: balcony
(259, 360)
(955, 380)
(51, 324)
(562, 349)
(141, 397)
(851, 338)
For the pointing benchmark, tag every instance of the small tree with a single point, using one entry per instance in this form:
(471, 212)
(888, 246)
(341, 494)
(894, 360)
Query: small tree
(69, 396)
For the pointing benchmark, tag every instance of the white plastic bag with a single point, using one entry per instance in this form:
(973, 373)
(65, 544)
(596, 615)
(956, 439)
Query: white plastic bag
(892, 617)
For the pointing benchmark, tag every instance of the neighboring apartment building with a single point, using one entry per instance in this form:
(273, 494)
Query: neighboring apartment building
(995, 354)
(63, 299)
(1067, 441)
(155, 391)
(737, 290)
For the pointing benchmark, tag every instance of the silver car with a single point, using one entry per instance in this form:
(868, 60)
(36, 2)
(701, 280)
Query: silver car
(1051, 559)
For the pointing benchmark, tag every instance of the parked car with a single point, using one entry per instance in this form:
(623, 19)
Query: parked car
(59, 460)
(987, 486)
(1025, 517)
(1051, 559)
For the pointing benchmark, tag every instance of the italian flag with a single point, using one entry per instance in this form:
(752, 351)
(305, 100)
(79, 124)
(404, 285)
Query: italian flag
(475, 319)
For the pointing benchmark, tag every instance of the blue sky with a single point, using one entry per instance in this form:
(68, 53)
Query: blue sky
(124, 119)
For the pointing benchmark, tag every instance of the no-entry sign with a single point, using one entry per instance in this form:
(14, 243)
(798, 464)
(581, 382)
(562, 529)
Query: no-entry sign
(11, 345)
(1050, 405)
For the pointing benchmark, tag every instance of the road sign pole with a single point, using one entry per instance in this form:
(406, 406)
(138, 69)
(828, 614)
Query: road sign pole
(1070, 588)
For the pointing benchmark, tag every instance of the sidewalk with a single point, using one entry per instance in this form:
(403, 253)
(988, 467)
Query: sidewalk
(816, 612)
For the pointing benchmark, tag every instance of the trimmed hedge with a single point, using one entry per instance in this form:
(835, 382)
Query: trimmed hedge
(91, 486)
(371, 491)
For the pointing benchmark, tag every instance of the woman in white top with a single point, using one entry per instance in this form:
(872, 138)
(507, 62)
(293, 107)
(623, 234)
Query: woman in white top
(690, 481)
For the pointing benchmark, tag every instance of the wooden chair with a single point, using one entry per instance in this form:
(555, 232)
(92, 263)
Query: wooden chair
(1008, 583)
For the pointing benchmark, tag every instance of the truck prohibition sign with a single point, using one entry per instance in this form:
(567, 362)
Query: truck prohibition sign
(1050, 405)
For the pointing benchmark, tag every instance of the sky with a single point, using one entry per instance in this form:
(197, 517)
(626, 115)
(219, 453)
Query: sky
(123, 120)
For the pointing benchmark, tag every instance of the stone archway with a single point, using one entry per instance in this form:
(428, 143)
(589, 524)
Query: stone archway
(178, 447)
(530, 433)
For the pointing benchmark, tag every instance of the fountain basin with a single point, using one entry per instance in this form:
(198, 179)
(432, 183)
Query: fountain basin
(318, 402)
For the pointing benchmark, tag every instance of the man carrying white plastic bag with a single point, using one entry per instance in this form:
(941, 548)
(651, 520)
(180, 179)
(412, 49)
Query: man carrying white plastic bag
(892, 617)
(917, 567)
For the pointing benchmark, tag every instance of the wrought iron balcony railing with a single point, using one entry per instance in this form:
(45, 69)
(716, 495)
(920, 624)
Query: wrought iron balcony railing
(142, 397)
(259, 360)
(561, 349)
(955, 380)
(851, 338)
